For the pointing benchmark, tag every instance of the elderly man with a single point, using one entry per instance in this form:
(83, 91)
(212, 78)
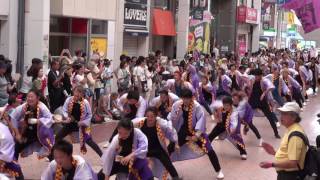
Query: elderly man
(292, 151)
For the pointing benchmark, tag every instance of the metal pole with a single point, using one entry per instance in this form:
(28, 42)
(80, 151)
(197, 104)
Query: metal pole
(20, 38)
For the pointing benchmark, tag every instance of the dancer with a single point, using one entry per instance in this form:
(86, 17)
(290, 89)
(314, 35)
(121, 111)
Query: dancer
(77, 114)
(7, 164)
(164, 103)
(224, 84)
(294, 88)
(158, 131)
(66, 165)
(33, 121)
(177, 84)
(229, 125)
(188, 119)
(245, 111)
(258, 98)
(126, 154)
(207, 94)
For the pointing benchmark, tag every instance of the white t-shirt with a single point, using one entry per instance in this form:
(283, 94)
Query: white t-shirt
(77, 80)
(141, 72)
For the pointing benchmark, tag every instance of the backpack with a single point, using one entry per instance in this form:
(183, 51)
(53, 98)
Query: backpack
(311, 169)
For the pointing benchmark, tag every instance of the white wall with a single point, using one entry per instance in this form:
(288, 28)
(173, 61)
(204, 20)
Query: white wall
(4, 7)
(95, 9)
(8, 32)
(256, 28)
(183, 28)
(37, 23)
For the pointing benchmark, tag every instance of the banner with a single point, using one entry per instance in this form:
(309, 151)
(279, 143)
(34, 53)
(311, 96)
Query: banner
(307, 11)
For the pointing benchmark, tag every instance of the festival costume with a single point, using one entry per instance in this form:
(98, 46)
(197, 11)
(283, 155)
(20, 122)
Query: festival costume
(164, 108)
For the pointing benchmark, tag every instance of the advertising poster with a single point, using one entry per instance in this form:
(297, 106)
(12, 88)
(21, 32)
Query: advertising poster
(98, 45)
(199, 37)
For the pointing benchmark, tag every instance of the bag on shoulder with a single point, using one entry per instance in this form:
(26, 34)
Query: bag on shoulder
(311, 170)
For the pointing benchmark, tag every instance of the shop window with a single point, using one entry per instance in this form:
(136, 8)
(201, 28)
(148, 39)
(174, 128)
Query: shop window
(99, 27)
(79, 26)
(59, 24)
(162, 4)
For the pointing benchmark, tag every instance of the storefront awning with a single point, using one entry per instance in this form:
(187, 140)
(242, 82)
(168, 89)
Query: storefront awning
(163, 23)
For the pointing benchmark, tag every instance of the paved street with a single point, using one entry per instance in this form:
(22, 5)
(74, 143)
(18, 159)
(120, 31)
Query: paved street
(233, 167)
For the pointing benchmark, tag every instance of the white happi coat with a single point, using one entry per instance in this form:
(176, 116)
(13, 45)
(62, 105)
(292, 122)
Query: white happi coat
(83, 170)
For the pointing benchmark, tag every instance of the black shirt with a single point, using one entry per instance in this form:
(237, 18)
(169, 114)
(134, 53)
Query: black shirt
(163, 110)
(126, 146)
(133, 111)
(234, 84)
(178, 89)
(207, 96)
(152, 135)
(256, 93)
(31, 131)
(69, 174)
(184, 130)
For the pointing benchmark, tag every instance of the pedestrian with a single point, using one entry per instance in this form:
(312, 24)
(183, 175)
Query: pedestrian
(290, 157)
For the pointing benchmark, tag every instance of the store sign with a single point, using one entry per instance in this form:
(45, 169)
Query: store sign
(135, 15)
(247, 15)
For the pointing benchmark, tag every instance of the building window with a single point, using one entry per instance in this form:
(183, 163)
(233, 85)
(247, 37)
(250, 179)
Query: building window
(59, 24)
(99, 27)
(162, 4)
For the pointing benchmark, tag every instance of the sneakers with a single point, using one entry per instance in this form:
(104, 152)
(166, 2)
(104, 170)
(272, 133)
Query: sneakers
(243, 157)
(106, 145)
(305, 103)
(278, 124)
(220, 175)
(318, 115)
(277, 136)
(260, 142)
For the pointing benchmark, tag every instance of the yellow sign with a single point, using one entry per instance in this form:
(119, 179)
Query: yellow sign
(290, 18)
(99, 45)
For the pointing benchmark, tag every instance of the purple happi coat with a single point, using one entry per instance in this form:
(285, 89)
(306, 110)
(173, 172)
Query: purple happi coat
(233, 128)
(139, 166)
(190, 150)
(84, 131)
(211, 88)
(165, 132)
(44, 130)
(7, 152)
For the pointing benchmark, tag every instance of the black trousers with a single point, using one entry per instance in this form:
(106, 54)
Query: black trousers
(283, 175)
(19, 147)
(206, 107)
(211, 154)
(254, 129)
(219, 129)
(271, 116)
(165, 160)
(117, 167)
(69, 128)
(297, 96)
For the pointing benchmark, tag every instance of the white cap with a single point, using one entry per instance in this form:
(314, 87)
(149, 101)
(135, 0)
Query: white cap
(290, 107)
